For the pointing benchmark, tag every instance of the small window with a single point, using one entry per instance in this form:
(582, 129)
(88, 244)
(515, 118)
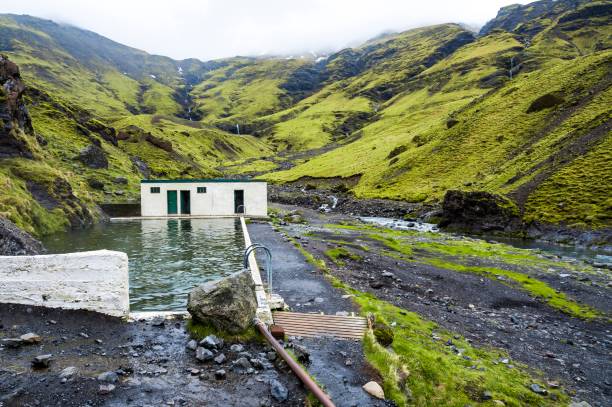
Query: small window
(155, 190)
(201, 190)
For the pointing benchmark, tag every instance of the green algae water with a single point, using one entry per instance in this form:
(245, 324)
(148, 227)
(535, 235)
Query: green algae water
(167, 257)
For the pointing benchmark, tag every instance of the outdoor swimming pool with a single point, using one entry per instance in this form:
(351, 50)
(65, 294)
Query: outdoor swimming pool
(167, 257)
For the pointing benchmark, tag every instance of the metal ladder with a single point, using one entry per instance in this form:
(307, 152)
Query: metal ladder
(251, 249)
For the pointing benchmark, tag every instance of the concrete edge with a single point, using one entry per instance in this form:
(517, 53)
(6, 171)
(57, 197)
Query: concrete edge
(263, 308)
(126, 218)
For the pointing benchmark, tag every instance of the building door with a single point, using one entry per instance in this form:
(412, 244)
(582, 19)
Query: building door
(172, 204)
(185, 202)
(239, 201)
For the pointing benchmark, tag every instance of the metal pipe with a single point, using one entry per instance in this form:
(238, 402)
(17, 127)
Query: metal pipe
(297, 369)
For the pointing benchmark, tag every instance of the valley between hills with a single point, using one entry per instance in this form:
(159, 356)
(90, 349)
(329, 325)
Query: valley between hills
(501, 135)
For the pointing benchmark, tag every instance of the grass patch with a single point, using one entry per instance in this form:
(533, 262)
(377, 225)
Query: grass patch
(199, 331)
(535, 287)
(339, 254)
(419, 368)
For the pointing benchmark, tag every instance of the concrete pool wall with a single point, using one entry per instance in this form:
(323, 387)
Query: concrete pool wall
(95, 280)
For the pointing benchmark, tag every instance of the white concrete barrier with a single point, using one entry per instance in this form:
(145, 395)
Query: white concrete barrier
(96, 281)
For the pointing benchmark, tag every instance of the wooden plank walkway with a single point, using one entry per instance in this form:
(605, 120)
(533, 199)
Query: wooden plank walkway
(315, 325)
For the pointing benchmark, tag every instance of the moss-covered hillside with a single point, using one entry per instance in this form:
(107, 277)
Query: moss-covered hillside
(521, 110)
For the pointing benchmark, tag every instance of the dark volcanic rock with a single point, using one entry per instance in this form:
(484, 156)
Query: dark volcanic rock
(159, 143)
(544, 102)
(141, 166)
(478, 211)
(93, 157)
(95, 184)
(15, 122)
(228, 304)
(15, 242)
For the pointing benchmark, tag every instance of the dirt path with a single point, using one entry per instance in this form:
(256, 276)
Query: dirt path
(337, 365)
(151, 359)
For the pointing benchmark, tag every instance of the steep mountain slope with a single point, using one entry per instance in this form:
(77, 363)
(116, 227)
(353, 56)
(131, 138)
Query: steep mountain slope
(103, 116)
(524, 116)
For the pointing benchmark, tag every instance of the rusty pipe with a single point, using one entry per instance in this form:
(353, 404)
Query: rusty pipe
(297, 369)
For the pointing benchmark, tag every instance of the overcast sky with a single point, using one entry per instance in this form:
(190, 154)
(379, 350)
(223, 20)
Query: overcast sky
(209, 29)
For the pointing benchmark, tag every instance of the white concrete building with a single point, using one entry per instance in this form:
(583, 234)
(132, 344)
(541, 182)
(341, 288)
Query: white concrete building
(203, 197)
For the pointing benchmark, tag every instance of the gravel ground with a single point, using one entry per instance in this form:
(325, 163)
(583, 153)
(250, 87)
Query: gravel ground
(570, 350)
(153, 364)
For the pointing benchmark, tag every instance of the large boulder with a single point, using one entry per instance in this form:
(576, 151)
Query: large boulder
(16, 242)
(93, 157)
(229, 304)
(478, 211)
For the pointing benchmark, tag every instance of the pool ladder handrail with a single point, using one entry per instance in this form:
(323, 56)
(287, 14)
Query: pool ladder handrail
(251, 249)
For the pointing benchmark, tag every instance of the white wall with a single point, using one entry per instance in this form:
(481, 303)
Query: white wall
(217, 201)
(96, 281)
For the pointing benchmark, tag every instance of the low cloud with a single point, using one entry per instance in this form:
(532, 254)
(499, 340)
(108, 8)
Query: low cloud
(207, 29)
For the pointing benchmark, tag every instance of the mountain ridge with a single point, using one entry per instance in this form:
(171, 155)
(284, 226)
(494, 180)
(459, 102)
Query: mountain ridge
(399, 117)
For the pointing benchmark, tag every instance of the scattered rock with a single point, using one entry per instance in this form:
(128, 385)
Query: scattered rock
(228, 304)
(537, 389)
(15, 242)
(278, 390)
(109, 377)
(451, 122)
(374, 389)
(106, 388)
(301, 353)
(220, 358)
(120, 180)
(241, 365)
(12, 342)
(30, 338)
(68, 372)
(95, 184)
(203, 354)
(579, 404)
(212, 342)
(93, 157)
(42, 361)
(236, 348)
(487, 395)
(192, 344)
(220, 374)
(271, 356)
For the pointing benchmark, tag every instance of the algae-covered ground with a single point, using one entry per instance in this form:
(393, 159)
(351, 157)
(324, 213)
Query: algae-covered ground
(472, 321)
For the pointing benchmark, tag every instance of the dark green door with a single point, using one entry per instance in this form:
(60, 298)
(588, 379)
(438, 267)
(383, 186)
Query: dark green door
(172, 203)
(185, 202)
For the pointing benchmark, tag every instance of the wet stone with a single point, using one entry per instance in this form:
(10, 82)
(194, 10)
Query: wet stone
(236, 348)
(106, 388)
(68, 372)
(30, 338)
(192, 344)
(220, 374)
(212, 342)
(12, 342)
(42, 361)
(538, 390)
(220, 358)
(278, 391)
(203, 354)
(109, 377)
(241, 365)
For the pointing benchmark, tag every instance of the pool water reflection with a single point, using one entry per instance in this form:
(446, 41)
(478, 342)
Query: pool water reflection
(167, 257)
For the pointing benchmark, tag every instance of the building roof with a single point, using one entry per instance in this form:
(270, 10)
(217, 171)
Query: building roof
(173, 181)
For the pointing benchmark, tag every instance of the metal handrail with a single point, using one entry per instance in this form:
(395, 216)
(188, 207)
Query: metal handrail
(251, 249)
(243, 209)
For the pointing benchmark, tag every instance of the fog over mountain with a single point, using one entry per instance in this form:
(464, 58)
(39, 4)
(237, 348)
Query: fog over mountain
(208, 29)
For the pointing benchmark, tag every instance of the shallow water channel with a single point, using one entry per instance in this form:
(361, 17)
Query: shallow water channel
(167, 258)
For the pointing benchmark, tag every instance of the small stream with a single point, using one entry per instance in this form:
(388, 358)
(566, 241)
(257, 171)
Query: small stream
(591, 256)
(167, 257)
